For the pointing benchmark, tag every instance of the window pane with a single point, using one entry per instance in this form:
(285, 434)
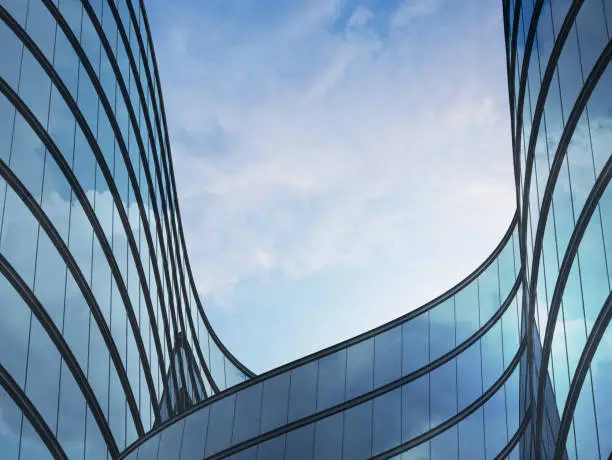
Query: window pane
(274, 449)
(300, 443)
(275, 401)
(443, 390)
(388, 356)
(442, 329)
(170, 444)
(220, 424)
(328, 438)
(415, 408)
(358, 432)
(302, 400)
(387, 421)
(416, 343)
(471, 437)
(194, 436)
(359, 368)
(332, 371)
(246, 419)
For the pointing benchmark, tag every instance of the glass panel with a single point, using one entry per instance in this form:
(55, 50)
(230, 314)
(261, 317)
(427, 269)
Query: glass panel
(358, 432)
(442, 329)
(471, 437)
(328, 438)
(415, 408)
(149, 449)
(194, 435)
(469, 376)
(220, 422)
(300, 443)
(445, 445)
(466, 306)
(443, 388)
(332, 371)
(388, 356)
(171, 437)
(360, 368)
(495, 424)
(275, 401)
(274, 449)
(302, 400)
(248, 407)
(416, 343)
(387, 424)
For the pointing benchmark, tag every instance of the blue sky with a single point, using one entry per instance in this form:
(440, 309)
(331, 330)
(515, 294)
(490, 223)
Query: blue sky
(338, 163)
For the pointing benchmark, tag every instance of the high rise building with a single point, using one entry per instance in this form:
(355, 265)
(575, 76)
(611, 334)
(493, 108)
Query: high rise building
(105, 348)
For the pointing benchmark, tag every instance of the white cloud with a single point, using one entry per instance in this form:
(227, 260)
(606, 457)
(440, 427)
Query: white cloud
(299, 148)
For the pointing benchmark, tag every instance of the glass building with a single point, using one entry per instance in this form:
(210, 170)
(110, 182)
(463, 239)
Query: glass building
(105, 347)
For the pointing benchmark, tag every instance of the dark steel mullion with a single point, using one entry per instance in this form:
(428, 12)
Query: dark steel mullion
(175, 314)
(70, 102)
(51, 329)
(584, 364)
(65, 168)
(125, 94)
(357, 400)
(112, 187)
(31, 413)
(120, 81)
(128, 104)
(580, 228)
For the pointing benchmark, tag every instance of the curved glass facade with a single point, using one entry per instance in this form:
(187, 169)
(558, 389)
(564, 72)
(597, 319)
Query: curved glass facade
(105, 349)
(561, 90)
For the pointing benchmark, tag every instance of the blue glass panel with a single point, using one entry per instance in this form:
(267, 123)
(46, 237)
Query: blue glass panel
(488, 292)
(492, 355)
(302, 399)
(443, 390)
(328, 438)
(331, 379)
(246, 418)
(220, 422)
(248, 454)
(388, 356)
(442, 329)
(300, 443)
(275, 402)
(496, 434)
(357, 439)
(274, 449)
(471, 437)
(469, 376)
(194, 435)
(11, 419)
(387, 423)
(466, 306)
(359, 368)
(415, 408)
(149, 449)
(587, 445)
(416, 343)
(170, 444)
(446, 445)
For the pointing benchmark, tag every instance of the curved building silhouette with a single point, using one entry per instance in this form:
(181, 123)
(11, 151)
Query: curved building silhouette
(105, 348)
